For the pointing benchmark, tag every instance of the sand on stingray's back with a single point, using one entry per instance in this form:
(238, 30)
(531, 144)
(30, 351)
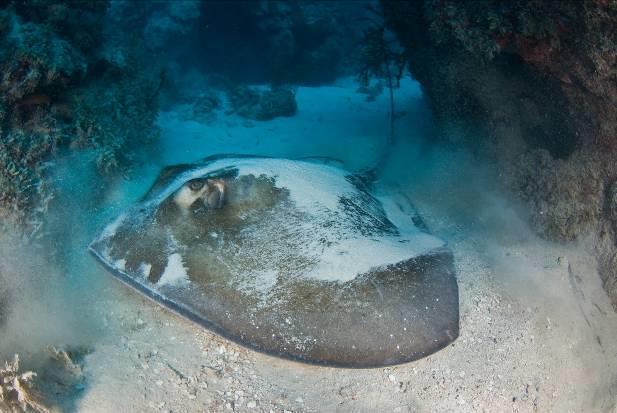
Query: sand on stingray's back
(302, 261)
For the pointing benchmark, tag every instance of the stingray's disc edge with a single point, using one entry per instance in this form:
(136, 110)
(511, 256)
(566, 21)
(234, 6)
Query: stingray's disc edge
(185, 312)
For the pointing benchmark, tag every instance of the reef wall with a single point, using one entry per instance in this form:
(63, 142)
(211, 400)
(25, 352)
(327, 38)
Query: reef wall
(63, 89)
(532, 85)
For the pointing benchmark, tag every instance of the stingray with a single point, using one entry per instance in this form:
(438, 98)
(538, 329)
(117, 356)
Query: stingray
(295, 258)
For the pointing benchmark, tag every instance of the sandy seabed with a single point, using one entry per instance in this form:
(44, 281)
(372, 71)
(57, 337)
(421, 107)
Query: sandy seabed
(537, 332)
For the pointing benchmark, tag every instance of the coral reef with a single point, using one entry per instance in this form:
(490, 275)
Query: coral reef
(281, 42)
(115, 115)
(16, 394)
(565, 197)
(159, 23)
(532, 85)
(248, 41)
(60, 92)
(263, 105)
(33, 73)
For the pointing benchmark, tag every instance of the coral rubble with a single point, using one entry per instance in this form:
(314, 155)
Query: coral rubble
(16, 394)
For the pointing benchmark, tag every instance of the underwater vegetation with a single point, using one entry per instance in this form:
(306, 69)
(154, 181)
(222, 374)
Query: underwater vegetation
(531, 85)
(58, 93)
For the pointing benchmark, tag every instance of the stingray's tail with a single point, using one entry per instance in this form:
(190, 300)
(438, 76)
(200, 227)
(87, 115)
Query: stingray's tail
(371, 174)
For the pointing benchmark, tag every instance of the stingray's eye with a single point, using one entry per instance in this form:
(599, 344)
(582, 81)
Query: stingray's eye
(196, 184)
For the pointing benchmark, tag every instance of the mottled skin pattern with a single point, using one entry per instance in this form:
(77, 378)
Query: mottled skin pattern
(246, 247)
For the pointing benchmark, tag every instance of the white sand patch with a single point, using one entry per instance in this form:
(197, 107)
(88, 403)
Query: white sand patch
(144, 269)
(352, 257)
(120, 264)
(309, 183)
(175, 272)
(110, 229)
(263, 281)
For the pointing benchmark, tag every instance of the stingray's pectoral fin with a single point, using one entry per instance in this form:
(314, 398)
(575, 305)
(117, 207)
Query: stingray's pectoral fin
(351, 283)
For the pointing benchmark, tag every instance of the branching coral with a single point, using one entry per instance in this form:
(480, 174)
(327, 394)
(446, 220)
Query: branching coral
(16, 394)
(24, 196)
(36, 64)
(78, 22)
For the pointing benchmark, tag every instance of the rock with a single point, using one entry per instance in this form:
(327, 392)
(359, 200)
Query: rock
(205, 107)
(372, 90)
(263, 105)
(611, 203)
(533, 86)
